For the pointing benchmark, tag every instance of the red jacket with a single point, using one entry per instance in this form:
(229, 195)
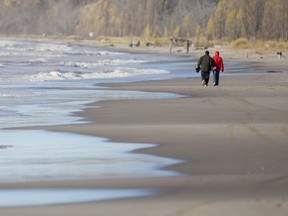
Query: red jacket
(218, 61)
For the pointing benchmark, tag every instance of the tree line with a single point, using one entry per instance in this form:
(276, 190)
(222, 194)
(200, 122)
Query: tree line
(213, 19)
(264, 19)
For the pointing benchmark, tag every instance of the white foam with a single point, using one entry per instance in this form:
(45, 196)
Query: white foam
(95, 53)
(37, 107)
(55, 48)
(102, 62)
(7, 43)
(116, 73)
(34, 74)
(37, 60)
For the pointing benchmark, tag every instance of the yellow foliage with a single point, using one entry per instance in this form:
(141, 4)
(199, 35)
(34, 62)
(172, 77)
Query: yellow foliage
(198, 31)
(210, 31)
(230, 20)
(148, 31)
(176, 31)
(165, 34)
(155, 33)
(34, 3)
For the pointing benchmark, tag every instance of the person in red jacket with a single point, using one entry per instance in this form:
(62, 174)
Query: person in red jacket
(219, 67)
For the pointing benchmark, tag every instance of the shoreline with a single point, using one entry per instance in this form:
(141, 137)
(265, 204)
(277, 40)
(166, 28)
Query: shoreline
(235, 156)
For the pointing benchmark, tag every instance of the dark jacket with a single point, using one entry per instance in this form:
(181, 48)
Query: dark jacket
(205, 63)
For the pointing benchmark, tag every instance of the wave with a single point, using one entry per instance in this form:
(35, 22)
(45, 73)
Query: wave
(101, 63)
(117, 73)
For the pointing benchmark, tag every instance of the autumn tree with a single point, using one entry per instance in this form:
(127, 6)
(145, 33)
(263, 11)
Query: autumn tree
(275, 21)
(210, 29)
(229, 19)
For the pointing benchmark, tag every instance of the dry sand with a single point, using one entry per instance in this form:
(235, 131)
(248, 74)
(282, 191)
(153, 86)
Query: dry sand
(234, 139)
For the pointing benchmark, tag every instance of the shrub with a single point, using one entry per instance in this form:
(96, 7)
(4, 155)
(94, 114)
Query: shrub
(241, 43)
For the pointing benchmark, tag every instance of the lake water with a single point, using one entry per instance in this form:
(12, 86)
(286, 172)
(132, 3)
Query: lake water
(45, 83)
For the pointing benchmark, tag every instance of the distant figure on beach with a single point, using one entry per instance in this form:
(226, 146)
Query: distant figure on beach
(171, 43)
(279, 54)
(138, 44)
(219, 66)
(131, 43)
(205, 64)
(187, 46)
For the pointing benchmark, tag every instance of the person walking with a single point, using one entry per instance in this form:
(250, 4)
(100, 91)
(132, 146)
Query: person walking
(219, 66)
(171, 39)
(205, 64)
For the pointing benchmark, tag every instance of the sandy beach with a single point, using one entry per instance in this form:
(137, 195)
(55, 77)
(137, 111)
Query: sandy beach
(233, 139)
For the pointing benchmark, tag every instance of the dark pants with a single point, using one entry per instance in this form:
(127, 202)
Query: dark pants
(216, 77)
(205, 76)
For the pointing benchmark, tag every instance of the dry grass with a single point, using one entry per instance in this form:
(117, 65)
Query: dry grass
(199, 42)
(272, 45)
(126, 40)
(241, 43)
(261, 45)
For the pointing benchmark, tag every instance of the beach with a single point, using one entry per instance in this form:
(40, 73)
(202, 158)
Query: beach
(232, 140)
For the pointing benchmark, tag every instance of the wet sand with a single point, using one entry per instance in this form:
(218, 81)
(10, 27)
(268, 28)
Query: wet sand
(233, 138)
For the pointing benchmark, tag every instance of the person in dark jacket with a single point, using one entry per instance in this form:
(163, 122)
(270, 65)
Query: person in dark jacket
(219, 66)
(205, 64)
